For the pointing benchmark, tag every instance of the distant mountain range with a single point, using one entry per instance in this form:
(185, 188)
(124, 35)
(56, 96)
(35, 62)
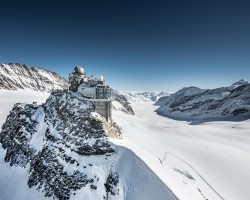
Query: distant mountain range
(192, 103)
(14, 76)
(134, 97)
(124, 100)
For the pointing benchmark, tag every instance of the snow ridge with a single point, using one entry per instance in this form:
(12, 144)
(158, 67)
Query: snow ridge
(193, 103)
(14, 76)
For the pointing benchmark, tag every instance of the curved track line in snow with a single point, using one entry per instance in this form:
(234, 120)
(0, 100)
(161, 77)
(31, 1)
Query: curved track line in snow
(165, 159)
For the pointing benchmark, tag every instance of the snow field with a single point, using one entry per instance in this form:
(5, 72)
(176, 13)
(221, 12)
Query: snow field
(215, 154)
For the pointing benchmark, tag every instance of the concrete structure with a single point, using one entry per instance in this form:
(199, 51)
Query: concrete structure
(93, 89)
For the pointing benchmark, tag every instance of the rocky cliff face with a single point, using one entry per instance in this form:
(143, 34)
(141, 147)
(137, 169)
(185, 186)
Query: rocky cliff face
(194, 103)
(120, 102)
(19, 76)
(56, 141)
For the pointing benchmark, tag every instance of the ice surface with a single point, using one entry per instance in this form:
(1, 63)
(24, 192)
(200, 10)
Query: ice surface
(215, 154)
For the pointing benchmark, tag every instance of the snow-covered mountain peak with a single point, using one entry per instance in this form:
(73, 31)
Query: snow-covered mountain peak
(240, 82)
(14, 76)
(195, 104)
(188, 91)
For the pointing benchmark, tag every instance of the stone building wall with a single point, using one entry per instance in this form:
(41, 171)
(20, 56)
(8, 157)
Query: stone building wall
(104, 108)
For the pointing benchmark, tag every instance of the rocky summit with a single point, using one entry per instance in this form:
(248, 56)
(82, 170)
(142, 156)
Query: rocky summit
(62, 143)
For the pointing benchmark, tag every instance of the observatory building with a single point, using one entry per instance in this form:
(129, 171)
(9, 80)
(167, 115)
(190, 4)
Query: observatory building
(93, 89)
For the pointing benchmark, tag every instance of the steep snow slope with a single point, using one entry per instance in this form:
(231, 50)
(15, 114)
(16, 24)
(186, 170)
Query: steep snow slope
(9, 97)
(18, 76)
(228, 103)
(64, 149)
(206, 161)
(133, 173)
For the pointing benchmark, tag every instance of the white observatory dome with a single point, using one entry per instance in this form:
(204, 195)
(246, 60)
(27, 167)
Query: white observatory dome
(79, 69)
(101, 78)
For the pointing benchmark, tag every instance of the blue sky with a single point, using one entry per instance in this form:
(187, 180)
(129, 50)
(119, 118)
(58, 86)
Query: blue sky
(136, 45)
